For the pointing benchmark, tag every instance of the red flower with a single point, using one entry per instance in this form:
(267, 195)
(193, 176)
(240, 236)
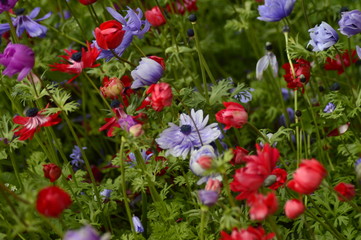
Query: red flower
(87, 2)
(182, 6)
(76, 61)
(233, 116)
(281, 177)
(302, 69)
(336, 64)
(262, 206)
(161, 95)
(52, 201)
(238, 155)
(294, 208)
(112, 123)
(112, 87)
(109, 34)
(345, 191)
(51, 171)
(32, 123)
(250, 233)
(155, 17)
(307, 177)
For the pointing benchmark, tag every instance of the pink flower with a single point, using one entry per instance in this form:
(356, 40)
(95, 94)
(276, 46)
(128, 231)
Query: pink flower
(345, 191)
(262, 206)
(294, 208)
(214, 185)
(155, 17)
(307, 177)
(161, 95)
(112, 87)
(233, 116)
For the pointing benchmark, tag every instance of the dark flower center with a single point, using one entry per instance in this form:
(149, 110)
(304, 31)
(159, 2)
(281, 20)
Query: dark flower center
(19, 11)
(115, 103)
(186, 129)
(76, 57)
(32, 112)
(4, 2)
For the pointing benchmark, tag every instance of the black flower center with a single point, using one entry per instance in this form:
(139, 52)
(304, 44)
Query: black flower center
(115, 103)
(19, 11)
(186, 129)
(76, 56)
(5, 2)
(32, 112)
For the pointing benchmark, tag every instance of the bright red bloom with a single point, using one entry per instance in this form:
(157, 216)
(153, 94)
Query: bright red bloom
(182, 6)
(250, 233)
(87, 2)
(302, 69)
(33, 122)
(76, 61)
(262, 206)
(112, 87)
(52, 201)
(160, 95)
(233, 116)
(109, 34)
(294, 208)
(281, 177)
(155, 17)
(238, 154)
(307, 177)
(112, 123)
(51, 171)
(159, 60)
(336, 64)
(345, 191)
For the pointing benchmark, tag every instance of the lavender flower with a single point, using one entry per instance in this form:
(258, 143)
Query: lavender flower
(330, 107)
(322, 37)
(106, 193)
(28, 23)
(17, 58)
(204, 151)
(138, 227)
(6, 5)
(77, 162)
(146, 73)
(85, 233)
(291, 116)
(358, 50)
(350, 23)
(244, 96)
(208, 197)
(145, 155)
(191, 133)
(126, 122)
(275, 10)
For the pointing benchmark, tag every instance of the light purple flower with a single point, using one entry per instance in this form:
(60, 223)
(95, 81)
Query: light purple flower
(358, 50)
(322, 37)
(291, 116)
(191, 133)
(84, 233)
(264, 62)
(350, 23)
(17, 58)
(138, 227)
(28, 23)
(206, 150)
(145, 155)
(330, 107)
(106, 193)
(146, 73)
(6, 5)
(275, 10)
(76, 161)
(208, 197)
(126, 122)
(244, 96)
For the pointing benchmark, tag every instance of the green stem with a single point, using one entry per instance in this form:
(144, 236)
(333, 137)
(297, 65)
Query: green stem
(305, 14)
(255, 130)
(76, 19)
(204, 210)
(14, 37)
(121, 59)
(16, 169)
(98, 91)
(65, 35)
(228, 190)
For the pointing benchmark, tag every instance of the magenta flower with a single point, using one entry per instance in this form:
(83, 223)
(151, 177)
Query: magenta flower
(6, 5)
(17, 58)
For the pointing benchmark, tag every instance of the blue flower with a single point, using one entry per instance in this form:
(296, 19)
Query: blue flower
(291, 116)
(208, 197)
(145, 155)
(77, 162)
(191, 133)
(138, 227)
(106, 193)
(146, 73)
(28, 23)
(350, 23)
(244, 96)
(322, 37)
(275, 10)
(330, 107)
(85, 233)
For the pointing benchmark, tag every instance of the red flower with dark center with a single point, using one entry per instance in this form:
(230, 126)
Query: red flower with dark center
(336, 64)
(74, 62)
(302, 70)
(52, 201)
(109, 34)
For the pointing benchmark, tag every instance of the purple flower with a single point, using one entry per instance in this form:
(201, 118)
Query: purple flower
(208, 198)
(330, 107)
(77, 162)
(17, 58)
(275, 10)
(286, 94)
(6, 5)
(27, 22)
(84, 233)
(146, 73)
(358, 50)
(244, 96)
(205, 150)
(126, 122)
(358, 162)
(191, 133)
(322, 37)
(145, 155)
(291, 116)
(350, 23)
(138, 227)
(106, 193)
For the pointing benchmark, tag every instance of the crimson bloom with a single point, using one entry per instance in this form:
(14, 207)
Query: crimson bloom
(294, 208)
(109, 34)
(52, 201)
(32, 123)
(281, 177)
(336, 64)
(262, 206)
(250, 233)
(160, 96)
(87, 2)
(233, 116)
(155, 17)
(307, 177)
(52, 171)
(238, 154)
(74, 62)
(345, 191)
(302, 73)
(182, 6)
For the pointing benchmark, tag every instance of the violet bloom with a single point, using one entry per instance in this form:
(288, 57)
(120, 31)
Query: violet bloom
(146, 73)
(208, 197)
(275, 10)
(350, 23)
(244, 96)
(291, 117)
(76, 161)
(145, 155)
(6, 5)
(191, 133)
(322, 37)
(106, 193)
(330, 107)
(85, 233)
(17, 58)
(138, 227)
(126, 122)
(28, 23)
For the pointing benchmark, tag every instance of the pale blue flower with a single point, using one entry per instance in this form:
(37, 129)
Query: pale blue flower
(323, 36)
(330, 107)
(350, 23)
(138, 227)
(76, 161)
(208, 197)
(275, 10)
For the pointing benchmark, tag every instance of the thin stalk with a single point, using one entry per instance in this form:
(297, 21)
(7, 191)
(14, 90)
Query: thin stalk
(14, 37)
(98, 91)
(76, 19)
(228, 190)
(16, 169)
(298, 156)
(204, 210)
(11, 193)
(65, 35)
(121, 59)
(94, 14)
(274, 227)
(305, 14)
(255, 130)
(138, 48)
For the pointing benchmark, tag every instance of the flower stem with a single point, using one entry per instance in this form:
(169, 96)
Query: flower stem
(204, 211)
(228, 190)
(14, 37)
(16, 169)
(255, 130)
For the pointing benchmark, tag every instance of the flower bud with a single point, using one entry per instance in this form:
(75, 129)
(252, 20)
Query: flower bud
(51, 171)
(112, 87)
(213, 185)
(208, 198)
(205, 162)
(155, 17)
(294, 208)
(52, 201)
(345, 191)
(109, 34)
(138, 227)
(192, 18)
(136, 130)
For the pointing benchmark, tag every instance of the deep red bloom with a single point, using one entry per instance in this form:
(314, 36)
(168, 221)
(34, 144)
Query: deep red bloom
(51, 171)
(281, 177)
(74, 62)
(52, 201)
(336, 64)
(112, 87)
(181, 6)
(87, 2)
(262, 206)
(112, 123)
(155, 17)
(33, 123)
(250, 233)
(294, 208)
(345, 191)
(160, 95)
(307, 177)
(238, 154)
(109, 34)
(301, 67)
(233, 116)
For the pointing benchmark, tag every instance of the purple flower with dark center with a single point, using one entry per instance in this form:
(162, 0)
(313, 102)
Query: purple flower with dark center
(28, 23)
(85, 233)
(138, 227)
(191, 133)
(322, 37)
(6, 5)
(350, 23)
(275, 10)
(77, 162)
(208, 197)
(330, 107)
(146, 73)
(17, 58)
